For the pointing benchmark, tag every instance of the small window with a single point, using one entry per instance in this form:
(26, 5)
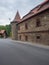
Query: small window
(18, 27)
(26, 38)
(38, 37)
(26, 26)
(20, 37)
(38, 23)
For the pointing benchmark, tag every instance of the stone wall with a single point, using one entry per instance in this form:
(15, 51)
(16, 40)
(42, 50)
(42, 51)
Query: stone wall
(38, 34)
(44, 19)
(14, 30)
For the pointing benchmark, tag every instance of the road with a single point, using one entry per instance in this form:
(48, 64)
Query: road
(12, 53)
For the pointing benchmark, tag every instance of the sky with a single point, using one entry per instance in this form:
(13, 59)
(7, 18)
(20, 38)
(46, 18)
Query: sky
(8, 9)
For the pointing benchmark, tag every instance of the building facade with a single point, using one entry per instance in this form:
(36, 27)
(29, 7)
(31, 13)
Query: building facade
(34, 26)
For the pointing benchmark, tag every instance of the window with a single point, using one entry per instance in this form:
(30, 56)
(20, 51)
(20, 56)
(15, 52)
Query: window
(38, 37)
(26, 26)
(18, 27)
(38, 23)
(20, 37)
(26, 38)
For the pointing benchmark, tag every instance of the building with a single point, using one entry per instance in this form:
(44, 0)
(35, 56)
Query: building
(3, 34)
(14, 27)
(34, 26)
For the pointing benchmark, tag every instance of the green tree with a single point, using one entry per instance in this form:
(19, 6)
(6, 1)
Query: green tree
(7, 28)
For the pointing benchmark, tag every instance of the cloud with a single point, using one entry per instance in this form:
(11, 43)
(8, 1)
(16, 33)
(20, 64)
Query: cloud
(8, 8)
(3, 21)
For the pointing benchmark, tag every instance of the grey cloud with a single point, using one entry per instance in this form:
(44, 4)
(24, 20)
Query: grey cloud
(8, 8)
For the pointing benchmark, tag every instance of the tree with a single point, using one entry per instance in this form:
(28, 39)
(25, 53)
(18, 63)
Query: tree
(7, 28)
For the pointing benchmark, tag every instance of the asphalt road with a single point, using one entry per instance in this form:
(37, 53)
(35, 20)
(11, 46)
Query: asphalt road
(12, 53)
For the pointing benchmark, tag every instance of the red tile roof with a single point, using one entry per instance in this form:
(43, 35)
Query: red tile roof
(17, 17)
(36, 10)
(2, 31)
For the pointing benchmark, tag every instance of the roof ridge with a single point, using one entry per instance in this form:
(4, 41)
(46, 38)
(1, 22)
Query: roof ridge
(36, 7)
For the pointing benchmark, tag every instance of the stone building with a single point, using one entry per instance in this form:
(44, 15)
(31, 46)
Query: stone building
(34, 26)
(14, 27)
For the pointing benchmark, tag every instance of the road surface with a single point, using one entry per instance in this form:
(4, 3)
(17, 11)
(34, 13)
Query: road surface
(13, 53)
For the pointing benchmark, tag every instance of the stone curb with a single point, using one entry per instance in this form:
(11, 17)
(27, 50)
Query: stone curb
(33, 44)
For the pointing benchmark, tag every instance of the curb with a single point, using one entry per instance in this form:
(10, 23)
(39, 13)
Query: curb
(33, 44)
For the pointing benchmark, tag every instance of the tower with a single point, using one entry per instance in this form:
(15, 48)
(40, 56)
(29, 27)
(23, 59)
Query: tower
(14, 26)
